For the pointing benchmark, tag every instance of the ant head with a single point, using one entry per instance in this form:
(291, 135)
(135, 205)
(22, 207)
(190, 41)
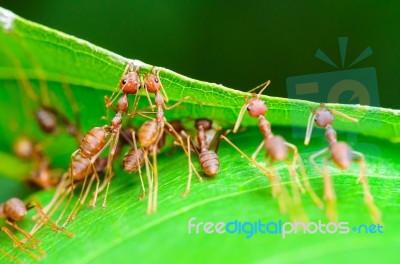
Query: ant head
(130, 83)
(206, 124)
(323, 117)
(152, 83)
(256, 107)
(15, 209)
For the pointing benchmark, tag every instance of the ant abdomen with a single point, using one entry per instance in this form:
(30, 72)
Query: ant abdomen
(148, 133)
(276, 148)
(342, 154)
(14, 209)
(47, 120)
(81, 168)
(93, 142)
(133, 160)
(209, 162)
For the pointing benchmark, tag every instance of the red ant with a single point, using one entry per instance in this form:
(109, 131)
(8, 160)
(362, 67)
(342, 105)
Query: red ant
(342, 155)
(208, 159)
(207, 138)
(83, 160)
(277, 149)
(42, 176)
(152, 132)
(14, 210)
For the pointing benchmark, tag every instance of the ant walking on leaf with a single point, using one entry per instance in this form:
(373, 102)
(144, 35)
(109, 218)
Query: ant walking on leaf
(276, 149)
(14, 210)
(342, 155)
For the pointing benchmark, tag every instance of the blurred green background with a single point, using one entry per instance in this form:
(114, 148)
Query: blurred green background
(238, 44)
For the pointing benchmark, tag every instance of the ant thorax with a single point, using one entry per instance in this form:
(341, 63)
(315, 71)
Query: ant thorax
(330, 134)
(265, 127)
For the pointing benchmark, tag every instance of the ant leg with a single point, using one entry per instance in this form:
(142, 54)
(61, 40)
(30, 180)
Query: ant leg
(27, 236)
(135, 105)
(310, 125)
(184, 99)
(17, 243)
(254, 155)
(314, 156)
(79, 202)
(293, 165)
(279, 191)
(214, 144)
(71, 177)
(368, 198)
(336, 112)
(182, 144)
(141, 197)
(54, 204)
(329, 194)
(150, 182)
(164, 94)
(190, 169)
(10, 256)
(92, 202)
(155, 170)
(240, 117)
(265, 84)
(307, 184)
(148, 96)
(48, 221)
(109, 174)
(256, 164)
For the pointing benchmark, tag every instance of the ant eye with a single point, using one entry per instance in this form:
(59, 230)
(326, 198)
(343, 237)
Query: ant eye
(248, 108)
(124, 81)
(156, 80)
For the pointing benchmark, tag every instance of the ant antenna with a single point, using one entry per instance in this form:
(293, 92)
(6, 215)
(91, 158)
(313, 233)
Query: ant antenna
(240, 117)
(310, 125)
(265, 84)
(345, 116)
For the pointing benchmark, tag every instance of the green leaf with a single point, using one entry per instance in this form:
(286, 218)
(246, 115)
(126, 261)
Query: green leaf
(32, 55)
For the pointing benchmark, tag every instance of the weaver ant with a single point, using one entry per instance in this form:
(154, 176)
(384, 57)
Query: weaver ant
(276, 149)
(85, 159)
(42, 176)
(14, 210)
(342, 155)
(152, 132)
